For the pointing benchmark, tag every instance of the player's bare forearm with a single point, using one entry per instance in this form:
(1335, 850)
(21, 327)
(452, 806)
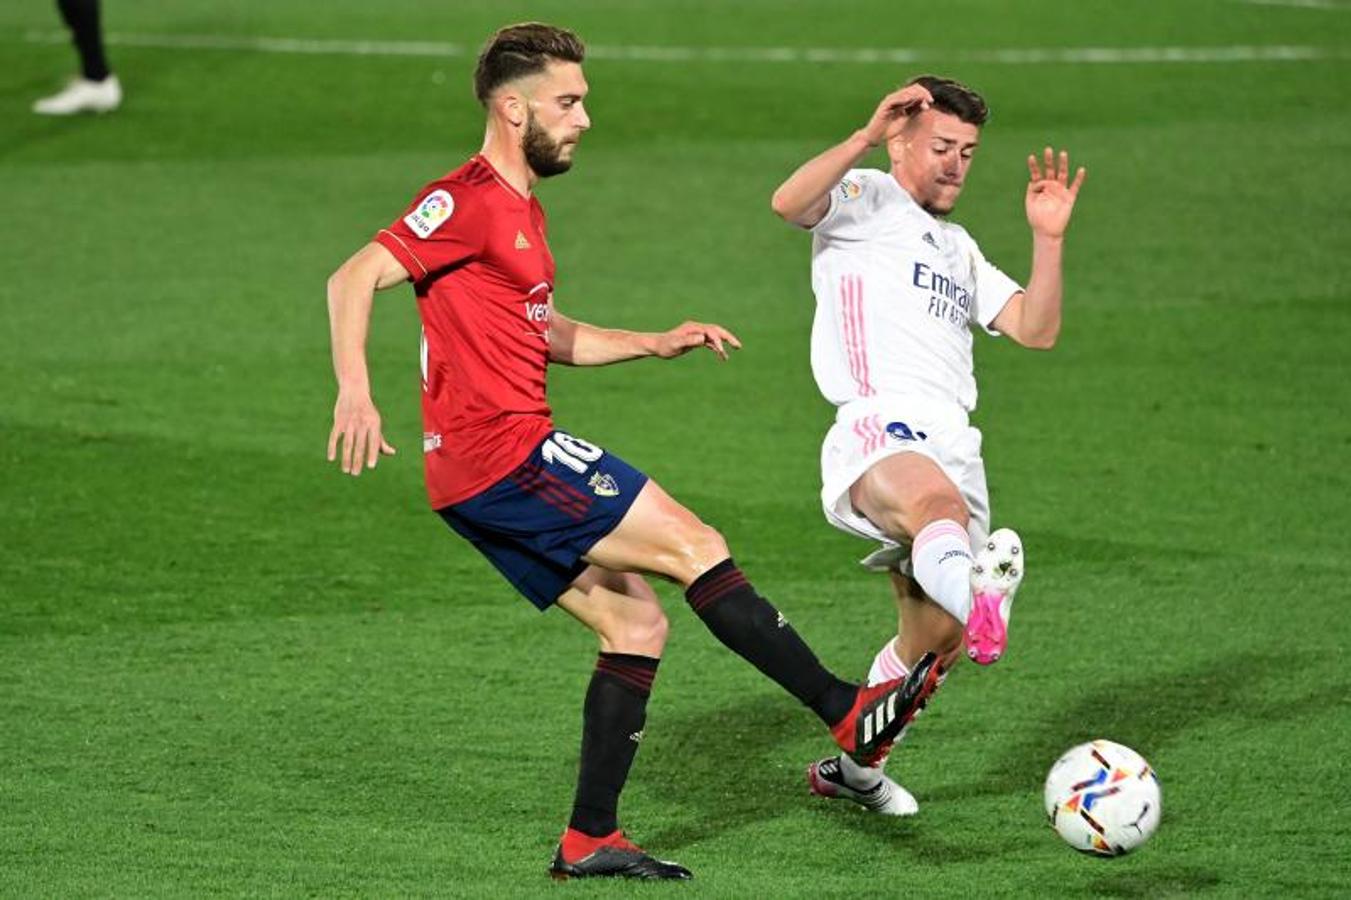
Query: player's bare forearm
(356, 434)
(575, 343)
(804, 198)
(349, 312)
(351, 294)
(1040, 324)
(1034, 320)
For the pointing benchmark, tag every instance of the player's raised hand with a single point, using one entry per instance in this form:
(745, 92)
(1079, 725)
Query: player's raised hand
(356, 432)
(895, 110)
(691, 335)
(1050, 193)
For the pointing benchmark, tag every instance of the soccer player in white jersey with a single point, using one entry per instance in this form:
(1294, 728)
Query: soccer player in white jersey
(899, 291)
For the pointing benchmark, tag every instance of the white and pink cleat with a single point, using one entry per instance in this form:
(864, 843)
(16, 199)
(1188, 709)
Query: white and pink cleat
(826, 778)
(995, 576)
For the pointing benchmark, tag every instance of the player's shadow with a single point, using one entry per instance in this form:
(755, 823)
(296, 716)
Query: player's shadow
(1148, 713)
(739, 765)
(1176, 881)
(760, 733)
(695, 754)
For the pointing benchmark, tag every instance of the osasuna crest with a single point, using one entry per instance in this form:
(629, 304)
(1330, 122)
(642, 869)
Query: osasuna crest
(603, 485)
(431, 213)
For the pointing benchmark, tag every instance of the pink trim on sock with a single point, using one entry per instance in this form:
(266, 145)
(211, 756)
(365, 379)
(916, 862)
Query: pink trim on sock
(934, 530)
(901, 669)
(889, 664)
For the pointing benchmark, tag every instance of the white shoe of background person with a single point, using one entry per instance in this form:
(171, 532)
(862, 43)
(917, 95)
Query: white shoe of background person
(82, 95)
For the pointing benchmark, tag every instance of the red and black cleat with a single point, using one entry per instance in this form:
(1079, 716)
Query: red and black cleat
(613, 856)
(881, 712)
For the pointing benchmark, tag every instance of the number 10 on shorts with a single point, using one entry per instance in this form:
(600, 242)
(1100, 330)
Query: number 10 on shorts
(572, 452)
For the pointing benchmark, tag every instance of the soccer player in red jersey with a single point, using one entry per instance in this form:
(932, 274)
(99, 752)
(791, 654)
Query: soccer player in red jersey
(564, 521)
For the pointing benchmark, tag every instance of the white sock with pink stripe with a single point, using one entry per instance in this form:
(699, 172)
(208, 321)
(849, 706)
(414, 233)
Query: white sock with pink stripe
(887, 666)
(940, 558)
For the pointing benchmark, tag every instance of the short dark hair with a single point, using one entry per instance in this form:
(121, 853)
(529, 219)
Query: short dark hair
(520, 50)
(955, 98)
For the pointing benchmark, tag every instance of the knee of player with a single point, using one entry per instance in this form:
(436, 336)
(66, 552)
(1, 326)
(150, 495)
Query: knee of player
(687, 549)
(894, 524)
(705, 546)
(938, 507)
(653, 631)
(643, 633)
(902, 524)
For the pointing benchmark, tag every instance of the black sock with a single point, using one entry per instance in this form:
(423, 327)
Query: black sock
(612, 726)
(752, 628)
(83, 18)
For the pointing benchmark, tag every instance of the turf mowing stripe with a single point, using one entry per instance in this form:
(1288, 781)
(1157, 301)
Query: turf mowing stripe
(639, 53)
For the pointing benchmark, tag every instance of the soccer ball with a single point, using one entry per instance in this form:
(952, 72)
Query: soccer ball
(1103, 798)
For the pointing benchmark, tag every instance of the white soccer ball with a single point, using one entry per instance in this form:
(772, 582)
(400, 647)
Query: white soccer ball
(1103, 798)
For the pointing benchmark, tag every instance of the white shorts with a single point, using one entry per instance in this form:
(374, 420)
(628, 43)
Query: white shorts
(867, 431)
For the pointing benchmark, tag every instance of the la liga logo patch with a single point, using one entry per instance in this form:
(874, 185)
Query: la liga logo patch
(431, 213)
(850, 189)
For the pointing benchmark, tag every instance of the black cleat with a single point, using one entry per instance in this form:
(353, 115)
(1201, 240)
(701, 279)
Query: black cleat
(618, 860)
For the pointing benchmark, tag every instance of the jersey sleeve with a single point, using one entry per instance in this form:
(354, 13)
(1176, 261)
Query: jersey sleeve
(441, 229)
(994, 289)
(852, 202)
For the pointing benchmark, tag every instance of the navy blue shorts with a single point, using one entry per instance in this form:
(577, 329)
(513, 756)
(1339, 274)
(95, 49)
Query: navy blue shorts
(536, 523)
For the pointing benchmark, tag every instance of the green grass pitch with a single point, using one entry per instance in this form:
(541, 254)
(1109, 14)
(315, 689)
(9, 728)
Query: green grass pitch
(227, 669)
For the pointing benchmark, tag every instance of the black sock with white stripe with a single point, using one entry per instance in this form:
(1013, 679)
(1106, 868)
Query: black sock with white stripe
(612, 726)
(752, 628)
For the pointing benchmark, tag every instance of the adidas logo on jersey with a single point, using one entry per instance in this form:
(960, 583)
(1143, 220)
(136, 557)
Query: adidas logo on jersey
(929, 239)
(521, 242)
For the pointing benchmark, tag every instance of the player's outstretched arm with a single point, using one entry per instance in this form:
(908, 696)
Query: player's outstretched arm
(1032, 318)
(356, 436)
(805, 197)
(574, 343)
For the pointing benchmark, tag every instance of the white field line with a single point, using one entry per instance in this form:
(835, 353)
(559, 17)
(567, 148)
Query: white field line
(1004, 56)
(1302, 4)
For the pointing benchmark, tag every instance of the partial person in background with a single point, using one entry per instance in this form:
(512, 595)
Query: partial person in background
(97, 88)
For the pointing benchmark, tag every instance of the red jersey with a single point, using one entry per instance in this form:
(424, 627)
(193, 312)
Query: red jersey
(475, 251)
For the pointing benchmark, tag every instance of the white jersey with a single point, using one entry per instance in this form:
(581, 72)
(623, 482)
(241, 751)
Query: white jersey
(897, 293)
